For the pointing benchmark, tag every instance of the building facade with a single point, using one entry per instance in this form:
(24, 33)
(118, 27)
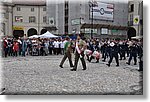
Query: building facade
(6, 19)
(24, 18)
(74, 17)
(135, 18)
(101, 19)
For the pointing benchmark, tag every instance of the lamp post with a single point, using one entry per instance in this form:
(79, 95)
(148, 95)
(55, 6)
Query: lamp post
(91, 5)
(92, 23)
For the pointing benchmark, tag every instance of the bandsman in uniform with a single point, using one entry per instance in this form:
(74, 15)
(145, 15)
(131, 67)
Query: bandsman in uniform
(113, 53)
(133, 53)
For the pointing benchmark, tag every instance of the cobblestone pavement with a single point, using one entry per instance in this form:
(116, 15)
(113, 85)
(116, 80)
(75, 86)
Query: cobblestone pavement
(42, 75)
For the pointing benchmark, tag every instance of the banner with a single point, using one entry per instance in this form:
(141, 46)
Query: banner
(102, 11)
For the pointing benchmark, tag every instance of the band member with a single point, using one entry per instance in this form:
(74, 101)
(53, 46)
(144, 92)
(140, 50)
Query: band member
(133, 53)
(113, 53)
(67, 52)
(79, 53)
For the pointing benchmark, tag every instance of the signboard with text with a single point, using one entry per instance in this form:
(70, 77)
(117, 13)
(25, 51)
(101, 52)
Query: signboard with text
(102, 11)
(18, 28)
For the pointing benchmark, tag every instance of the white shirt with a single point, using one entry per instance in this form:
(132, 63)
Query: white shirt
(56, 44)
(62, 44)
(19, 41)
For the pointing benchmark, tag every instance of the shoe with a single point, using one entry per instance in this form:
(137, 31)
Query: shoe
(97, 61)
(89, 60)
(103, 60)
(71, 66)
(84, 69)
(108, 65)
(120, 59)
(117, 65)
(135, 64)
(72, 69)
(127, 63)
(61, 66)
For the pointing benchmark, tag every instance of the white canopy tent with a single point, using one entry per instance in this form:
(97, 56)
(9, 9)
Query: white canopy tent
(136, 37)
(34, 36)
(48, 35)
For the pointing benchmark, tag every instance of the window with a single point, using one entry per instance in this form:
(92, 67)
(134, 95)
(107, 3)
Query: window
(44, 8)
(32, 9)
(132, 7)
(32, 19)
(104, 31)
(18, 19)
(18, 9)
(44, 19)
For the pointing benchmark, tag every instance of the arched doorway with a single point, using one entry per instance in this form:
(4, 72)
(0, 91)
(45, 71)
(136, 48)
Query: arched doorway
(43, 31)
(18, 33)
(31, 32)
(131, 32)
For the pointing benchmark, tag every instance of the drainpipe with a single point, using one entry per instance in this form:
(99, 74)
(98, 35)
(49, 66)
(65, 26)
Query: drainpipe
(38, 19)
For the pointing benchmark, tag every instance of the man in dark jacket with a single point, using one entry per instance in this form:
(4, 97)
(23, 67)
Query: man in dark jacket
(113, 52)
(122, 48)
(133, 53)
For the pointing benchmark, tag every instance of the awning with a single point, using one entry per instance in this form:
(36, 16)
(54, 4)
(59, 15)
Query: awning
(95, 26)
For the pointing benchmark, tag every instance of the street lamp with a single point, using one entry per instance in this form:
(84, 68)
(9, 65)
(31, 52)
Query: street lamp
(91, 5)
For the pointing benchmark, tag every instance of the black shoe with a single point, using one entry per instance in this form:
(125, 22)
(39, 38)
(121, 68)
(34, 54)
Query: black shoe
(117, 65)
(120, 59)
(140, 70)
(72, 69)
(103, 60)
(97, 62)
(84, 69)
(135, 64)
(61, 66)
(71, 66)
(127, 63)
(108, 65)
(89, 60)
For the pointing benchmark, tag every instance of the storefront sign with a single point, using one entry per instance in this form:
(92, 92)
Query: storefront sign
(18, 28)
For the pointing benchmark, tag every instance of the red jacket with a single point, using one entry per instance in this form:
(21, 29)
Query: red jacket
(16, 46)
(5, 44)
